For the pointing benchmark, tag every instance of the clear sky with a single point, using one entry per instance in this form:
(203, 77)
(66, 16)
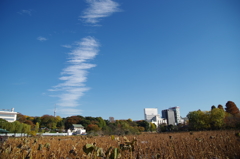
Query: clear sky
(115, 58)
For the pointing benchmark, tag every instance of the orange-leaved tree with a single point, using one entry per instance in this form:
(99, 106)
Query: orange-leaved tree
(232, 108)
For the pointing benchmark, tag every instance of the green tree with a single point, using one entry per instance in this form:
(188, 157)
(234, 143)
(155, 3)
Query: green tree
(84, 122)
(10, 127)
(101, 122)
(199, 120)
(152, 127)
(217, 118)
(3, 123)
(144, 124)
(26, 129)
(36, 128)
(48, 121)
(18, 127)
(213, 107)
(37, 120)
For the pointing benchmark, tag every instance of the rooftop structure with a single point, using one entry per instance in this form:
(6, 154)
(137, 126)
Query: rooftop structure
(8, 114)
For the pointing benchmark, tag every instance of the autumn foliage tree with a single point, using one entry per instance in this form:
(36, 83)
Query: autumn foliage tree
(93, 127)
(72, 120)
(232, 108)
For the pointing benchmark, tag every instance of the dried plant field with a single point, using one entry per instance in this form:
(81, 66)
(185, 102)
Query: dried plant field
(184, 145)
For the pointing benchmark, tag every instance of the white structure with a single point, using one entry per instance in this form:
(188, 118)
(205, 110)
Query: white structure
(8, 115)
(149, 113)
(78, 129)
(157, 120)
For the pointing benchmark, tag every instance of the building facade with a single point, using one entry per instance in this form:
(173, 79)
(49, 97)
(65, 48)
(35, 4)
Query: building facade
(149, 113)
(158, 121)
(169, 115)
(177, 114)
(8, 115)
(78, 129)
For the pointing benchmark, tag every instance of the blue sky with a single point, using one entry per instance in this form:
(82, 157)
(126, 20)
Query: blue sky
(115, 58)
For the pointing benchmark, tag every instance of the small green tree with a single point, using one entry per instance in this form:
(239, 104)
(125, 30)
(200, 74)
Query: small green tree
(213, 107)
(144, 124)
(101, 122)
(18, 127)
(26, 129)
(3, 123)
(217, 118)
(152, 127)
(36, 128)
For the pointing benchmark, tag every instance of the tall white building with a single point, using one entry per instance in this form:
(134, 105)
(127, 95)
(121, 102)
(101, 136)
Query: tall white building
(177, 114)
(149, 113)
(8, 115)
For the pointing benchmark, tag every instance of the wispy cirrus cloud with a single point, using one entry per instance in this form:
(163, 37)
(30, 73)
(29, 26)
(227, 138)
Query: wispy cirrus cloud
(67, 46)
(69, 111)
(40, 38)
(99, 9)
(29, 12)
(75, 74)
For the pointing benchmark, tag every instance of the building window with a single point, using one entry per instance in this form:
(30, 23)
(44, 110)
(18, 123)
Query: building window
(7, 115)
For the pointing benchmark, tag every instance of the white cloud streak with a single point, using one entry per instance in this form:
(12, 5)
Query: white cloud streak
(99, 9)
(67, 46)
(40, 38)
(75, 75)
(29, 12)
(69, 111)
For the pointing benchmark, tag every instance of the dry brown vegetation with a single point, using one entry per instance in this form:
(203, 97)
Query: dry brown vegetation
(187, 145)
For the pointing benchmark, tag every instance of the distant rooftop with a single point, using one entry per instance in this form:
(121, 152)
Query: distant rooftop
(7, 110)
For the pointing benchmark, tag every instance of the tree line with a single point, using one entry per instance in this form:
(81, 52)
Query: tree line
(216, 118)
(93, 125)
(15, 127)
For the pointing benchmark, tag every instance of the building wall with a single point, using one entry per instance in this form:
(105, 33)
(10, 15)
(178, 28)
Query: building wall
(169, 115)
(149, 113)
(157, 120)
(176, 114)
(8, 115)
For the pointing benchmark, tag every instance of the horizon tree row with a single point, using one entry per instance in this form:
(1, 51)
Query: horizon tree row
(216, 118)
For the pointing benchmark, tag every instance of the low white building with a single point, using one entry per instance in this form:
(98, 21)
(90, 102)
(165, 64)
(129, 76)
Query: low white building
(158, 121)
(78, 129)
(8, 115)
